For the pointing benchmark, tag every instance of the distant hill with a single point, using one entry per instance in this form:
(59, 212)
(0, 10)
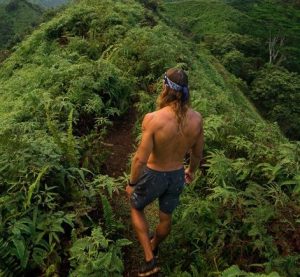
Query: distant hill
(42, 3)
(49, 3)
(16, 18)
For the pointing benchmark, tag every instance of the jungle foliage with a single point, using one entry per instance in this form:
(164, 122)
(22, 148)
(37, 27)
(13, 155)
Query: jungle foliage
(247, 37)
(59, 92)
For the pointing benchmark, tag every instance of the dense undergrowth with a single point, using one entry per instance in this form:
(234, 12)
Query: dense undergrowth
(60, 91)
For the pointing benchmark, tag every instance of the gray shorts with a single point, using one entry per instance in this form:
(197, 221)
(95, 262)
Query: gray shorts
(166, 186)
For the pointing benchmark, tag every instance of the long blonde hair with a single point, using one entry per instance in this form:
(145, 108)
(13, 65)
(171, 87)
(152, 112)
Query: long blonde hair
(173, 98)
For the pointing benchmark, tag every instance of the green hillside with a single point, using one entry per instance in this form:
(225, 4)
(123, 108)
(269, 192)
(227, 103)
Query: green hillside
(257, 41)
(16, 18)
(199, 17)
(60, 92)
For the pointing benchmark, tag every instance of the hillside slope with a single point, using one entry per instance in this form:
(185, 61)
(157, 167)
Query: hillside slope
(16, 17)
(199, 17)
(244, 37)
(61, 90)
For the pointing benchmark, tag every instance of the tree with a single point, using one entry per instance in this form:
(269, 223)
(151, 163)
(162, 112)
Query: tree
(276, 91)
(277, 23)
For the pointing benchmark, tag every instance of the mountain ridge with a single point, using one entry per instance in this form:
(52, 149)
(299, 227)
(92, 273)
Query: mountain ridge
(60, 92)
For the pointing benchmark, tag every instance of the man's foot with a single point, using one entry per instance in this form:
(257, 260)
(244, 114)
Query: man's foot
(155, 250)
(149, 268)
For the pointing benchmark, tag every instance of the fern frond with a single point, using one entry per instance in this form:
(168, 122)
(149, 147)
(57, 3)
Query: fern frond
(35, 185)
(9, 266)
(111, 223)
(71, 143)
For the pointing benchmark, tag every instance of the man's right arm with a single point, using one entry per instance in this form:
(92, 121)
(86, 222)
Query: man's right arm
(196, 154)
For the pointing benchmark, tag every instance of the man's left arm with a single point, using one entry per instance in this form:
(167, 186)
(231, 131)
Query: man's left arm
(143, 152)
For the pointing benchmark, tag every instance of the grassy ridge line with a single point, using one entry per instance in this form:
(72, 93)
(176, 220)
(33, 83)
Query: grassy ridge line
(231, 86)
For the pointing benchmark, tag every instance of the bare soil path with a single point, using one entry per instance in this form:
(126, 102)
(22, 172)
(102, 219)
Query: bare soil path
(121, 141)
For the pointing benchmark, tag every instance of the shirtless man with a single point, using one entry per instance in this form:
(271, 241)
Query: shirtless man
(157, 167)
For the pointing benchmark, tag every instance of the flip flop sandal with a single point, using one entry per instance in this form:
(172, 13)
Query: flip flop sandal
(149, 268)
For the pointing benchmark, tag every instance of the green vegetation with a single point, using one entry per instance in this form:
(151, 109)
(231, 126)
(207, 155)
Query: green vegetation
(61, 89)
(247, 37)
(236, 211)
(57, 95)
(16, 18)
(277, 94)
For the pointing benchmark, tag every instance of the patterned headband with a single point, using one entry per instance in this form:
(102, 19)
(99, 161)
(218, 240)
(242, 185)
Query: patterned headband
(172, 85)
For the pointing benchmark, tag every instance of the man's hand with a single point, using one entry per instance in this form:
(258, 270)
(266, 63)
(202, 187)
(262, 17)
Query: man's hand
(129, 191)
(188, 176)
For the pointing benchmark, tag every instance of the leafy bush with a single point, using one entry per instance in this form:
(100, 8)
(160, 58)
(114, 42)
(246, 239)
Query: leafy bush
(95, 254)
(235, 271)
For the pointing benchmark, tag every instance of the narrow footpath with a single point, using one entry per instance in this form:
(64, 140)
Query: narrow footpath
(121, 141)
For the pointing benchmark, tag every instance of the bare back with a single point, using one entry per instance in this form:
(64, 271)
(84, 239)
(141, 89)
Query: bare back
(169, 144)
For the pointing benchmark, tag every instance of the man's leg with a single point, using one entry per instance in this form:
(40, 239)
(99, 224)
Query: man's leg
(162, 230)
(141, 227)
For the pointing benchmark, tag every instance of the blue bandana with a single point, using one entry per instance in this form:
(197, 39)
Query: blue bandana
(183, 89)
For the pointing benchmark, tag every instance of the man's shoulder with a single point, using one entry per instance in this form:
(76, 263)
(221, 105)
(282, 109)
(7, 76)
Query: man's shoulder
(196, 116)
(156, 119)
(149, 116)
(196, 121)
(149, 120)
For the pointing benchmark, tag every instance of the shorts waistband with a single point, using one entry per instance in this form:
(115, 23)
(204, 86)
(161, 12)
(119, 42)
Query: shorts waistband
(165, 172)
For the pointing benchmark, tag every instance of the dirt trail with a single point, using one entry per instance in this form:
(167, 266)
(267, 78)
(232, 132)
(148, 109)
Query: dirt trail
(120, 141)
